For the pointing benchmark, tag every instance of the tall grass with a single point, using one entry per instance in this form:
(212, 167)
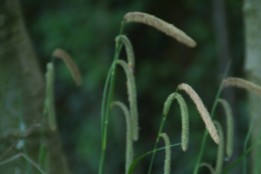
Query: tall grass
(176, 33)
(131, 111)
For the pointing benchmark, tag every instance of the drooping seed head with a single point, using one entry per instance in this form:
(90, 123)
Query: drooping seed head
(168, 153)
(160, 25)
(242, 83)
(131, 87)
(184, 117)
(220, 153)
(59, 53)
(230, 127)
(202, 110)
(129, 142)
(129, 50)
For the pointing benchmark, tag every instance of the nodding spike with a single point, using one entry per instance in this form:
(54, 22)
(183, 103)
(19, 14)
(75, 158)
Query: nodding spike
(202, 110)
(129, 142)
(167, 153)
(220, 155)
(131, 87)
(230, 127)
(184, 117)
(129, 50)
(59, 53)
(242, 83)
(160, 25)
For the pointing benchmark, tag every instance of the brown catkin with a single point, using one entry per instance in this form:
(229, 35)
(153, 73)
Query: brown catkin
(59, 53)
(202, 110)
(241, 83)
(160, 25)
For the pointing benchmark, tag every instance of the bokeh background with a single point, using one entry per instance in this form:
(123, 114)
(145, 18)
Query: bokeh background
(86, 29)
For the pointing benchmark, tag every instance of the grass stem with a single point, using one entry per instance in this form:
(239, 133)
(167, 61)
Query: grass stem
(245, 145)
(106, 107)
(157, 140)
(203, 144)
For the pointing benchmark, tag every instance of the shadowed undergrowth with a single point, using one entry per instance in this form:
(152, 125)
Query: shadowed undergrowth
(223, 138)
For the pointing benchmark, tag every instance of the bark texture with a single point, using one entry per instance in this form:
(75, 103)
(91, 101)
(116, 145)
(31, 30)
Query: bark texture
(252, 16)
(22, 94)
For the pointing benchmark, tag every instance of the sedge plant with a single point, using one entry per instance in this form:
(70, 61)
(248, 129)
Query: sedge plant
(129, 69)
(130, 110)
(122, 40)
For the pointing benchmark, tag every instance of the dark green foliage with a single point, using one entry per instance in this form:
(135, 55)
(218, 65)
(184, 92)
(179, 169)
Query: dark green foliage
(86, 29)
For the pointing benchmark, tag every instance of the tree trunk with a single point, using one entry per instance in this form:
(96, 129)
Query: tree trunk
(252, 16)
(224, 56)
(22, 95)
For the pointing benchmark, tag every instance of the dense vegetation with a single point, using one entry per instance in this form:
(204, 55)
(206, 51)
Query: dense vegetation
(87, 29)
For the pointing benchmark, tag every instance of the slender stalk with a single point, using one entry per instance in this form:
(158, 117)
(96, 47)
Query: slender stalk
(245, 145)
(156, 144)
(203, 144)
(41, 149)
(104, 97)
(28, 166)
(26, 134)
(26, 157)
(105, 116)
(221, 147)
(236, 162)
(134, 163)
(258, 158)
(210, 168)
(162, 148)
(157, 140)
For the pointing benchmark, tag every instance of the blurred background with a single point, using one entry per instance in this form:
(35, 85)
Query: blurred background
(86, 29)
